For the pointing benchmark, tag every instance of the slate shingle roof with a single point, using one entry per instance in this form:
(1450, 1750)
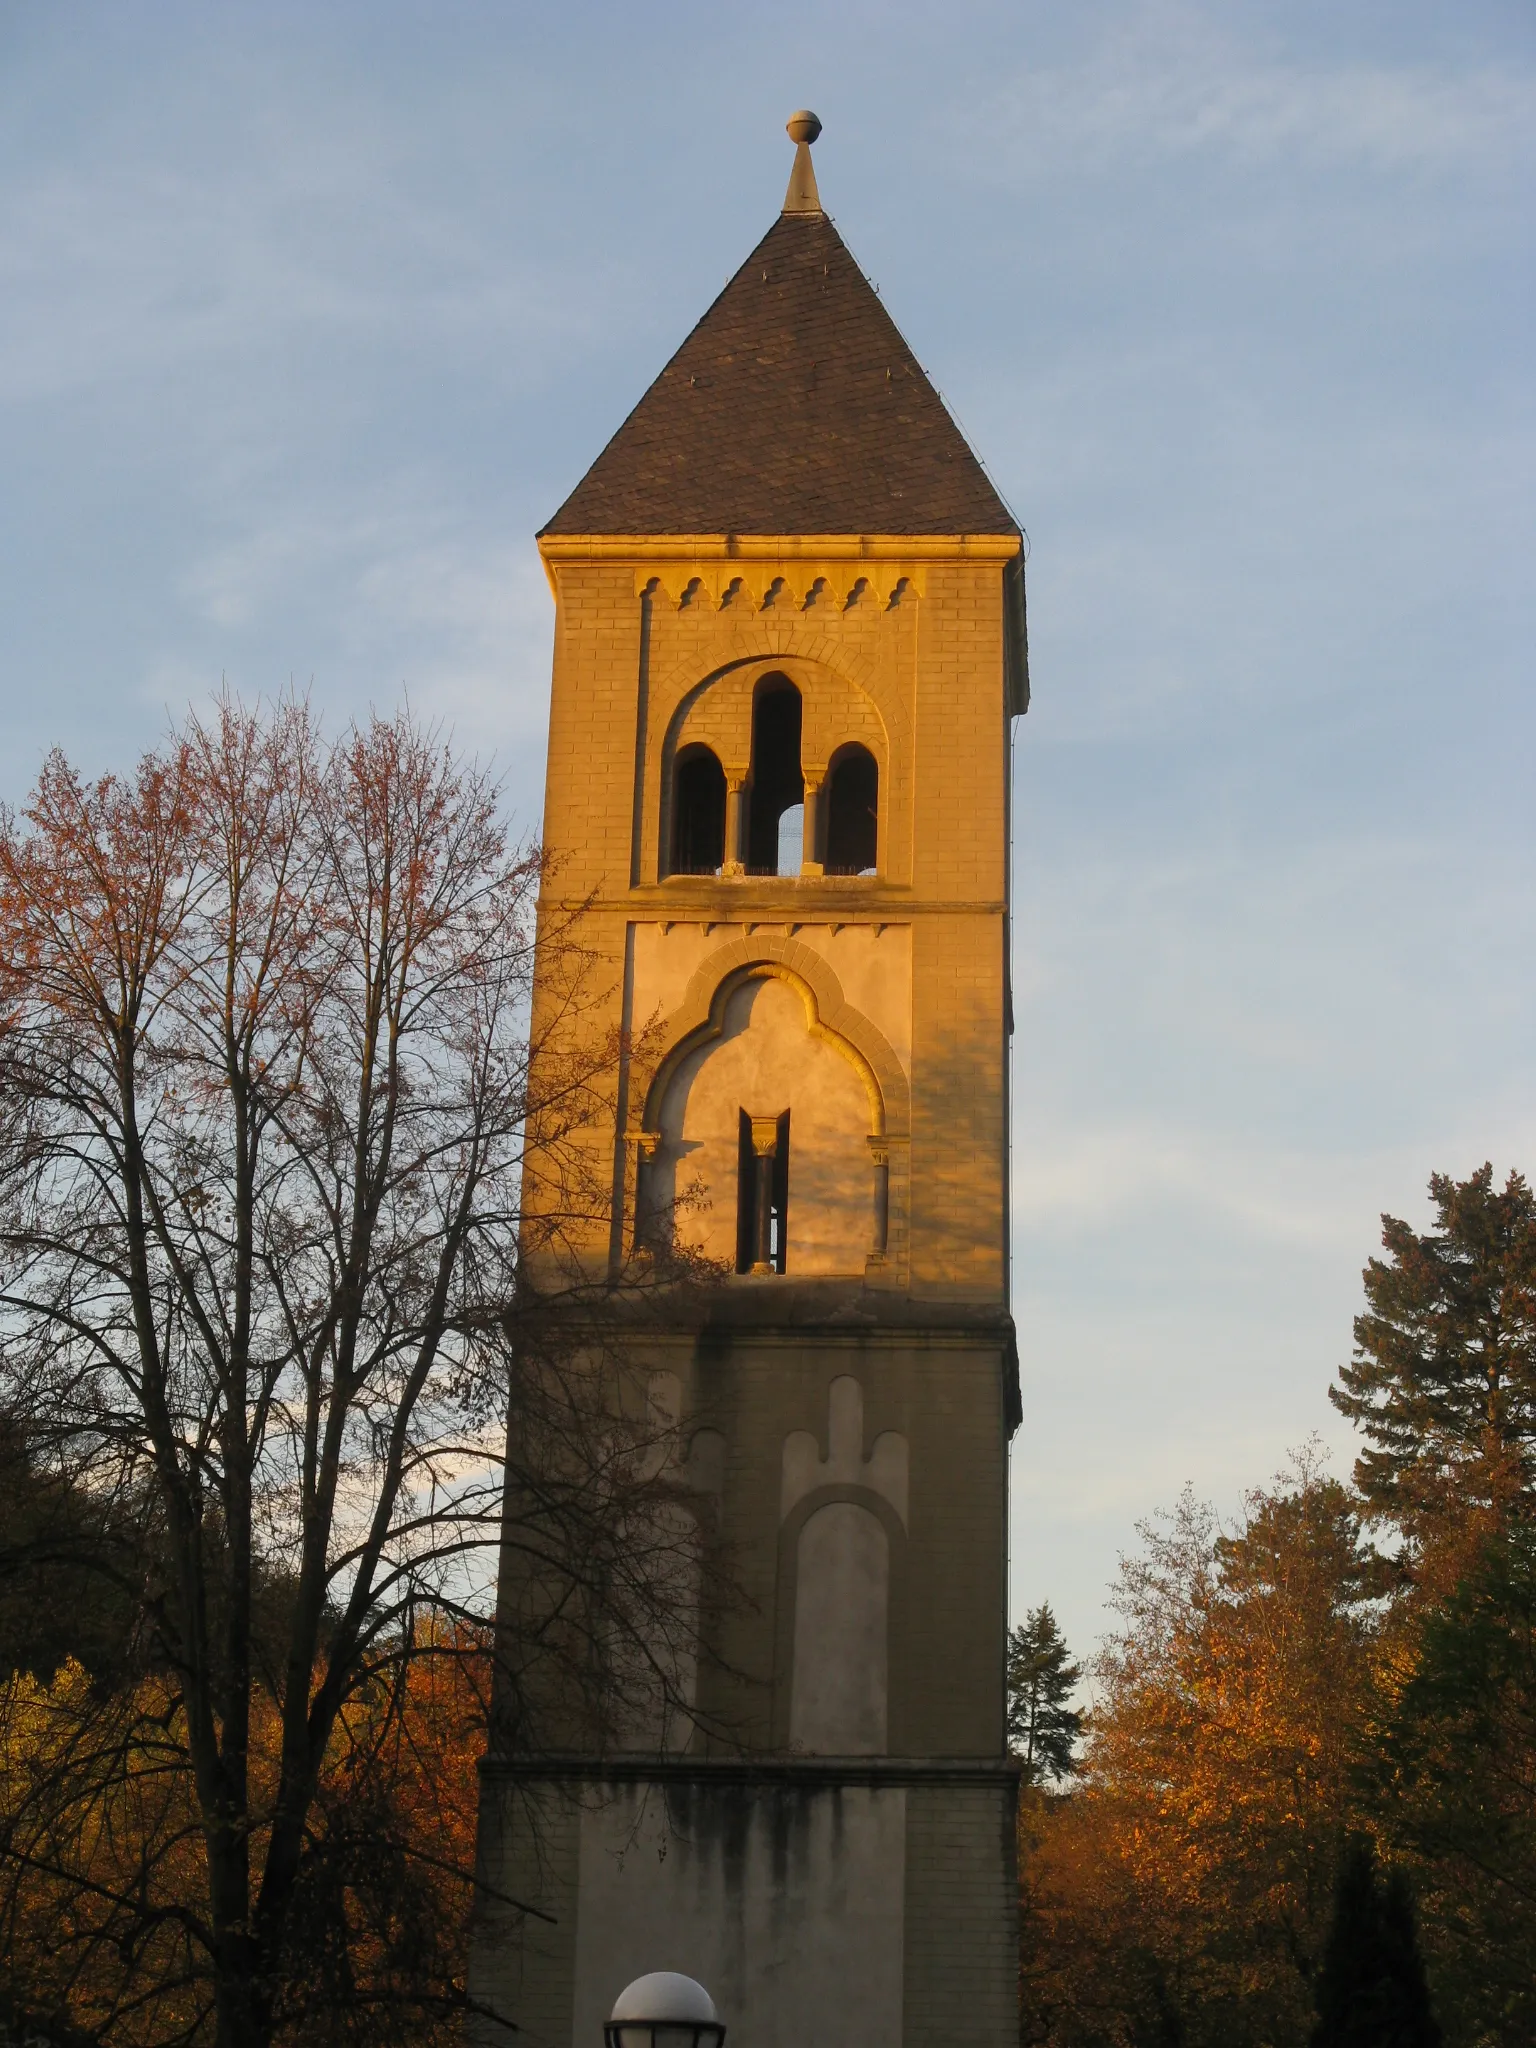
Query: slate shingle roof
(794, 407)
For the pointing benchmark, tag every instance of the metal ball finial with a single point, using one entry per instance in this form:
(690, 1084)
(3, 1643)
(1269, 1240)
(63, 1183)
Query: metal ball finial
(802, 196)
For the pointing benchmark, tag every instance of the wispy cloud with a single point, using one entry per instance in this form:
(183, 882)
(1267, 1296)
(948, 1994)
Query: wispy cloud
(1074, 1177)
(1174, 82)
(481, 617)
(117, 267)
(1266, 1036)
(457, 621)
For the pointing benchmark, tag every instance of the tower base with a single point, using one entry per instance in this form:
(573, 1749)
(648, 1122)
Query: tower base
(860, 1902)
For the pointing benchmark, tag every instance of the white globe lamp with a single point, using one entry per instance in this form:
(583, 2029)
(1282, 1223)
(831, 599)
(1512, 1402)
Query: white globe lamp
(664, 2010)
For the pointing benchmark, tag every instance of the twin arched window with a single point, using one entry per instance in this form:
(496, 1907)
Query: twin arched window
(771, 830)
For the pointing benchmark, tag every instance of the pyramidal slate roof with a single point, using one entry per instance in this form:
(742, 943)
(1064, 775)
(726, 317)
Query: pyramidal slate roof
(794, 407)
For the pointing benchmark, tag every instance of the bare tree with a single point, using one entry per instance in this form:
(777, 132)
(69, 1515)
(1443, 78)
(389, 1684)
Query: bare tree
(267, 1071)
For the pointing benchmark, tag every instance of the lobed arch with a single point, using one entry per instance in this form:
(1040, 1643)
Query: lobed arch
(701, 1017)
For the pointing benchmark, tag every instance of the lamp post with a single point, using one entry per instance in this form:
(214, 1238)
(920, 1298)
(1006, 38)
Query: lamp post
(664, 2010)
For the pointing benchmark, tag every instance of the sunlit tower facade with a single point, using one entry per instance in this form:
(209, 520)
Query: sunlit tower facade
(789, 649)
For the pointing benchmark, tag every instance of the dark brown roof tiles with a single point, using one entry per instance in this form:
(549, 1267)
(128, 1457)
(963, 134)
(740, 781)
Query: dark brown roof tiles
(793, 407)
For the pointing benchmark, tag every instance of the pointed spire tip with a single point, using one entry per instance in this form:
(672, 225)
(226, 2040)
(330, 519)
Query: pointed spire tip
(802, 196)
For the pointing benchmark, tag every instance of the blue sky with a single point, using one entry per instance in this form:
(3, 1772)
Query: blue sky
(312, 314)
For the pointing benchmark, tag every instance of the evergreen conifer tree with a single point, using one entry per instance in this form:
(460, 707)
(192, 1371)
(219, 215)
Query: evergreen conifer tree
(1042, 1728)
(1371, 1990)
(1443, 1380)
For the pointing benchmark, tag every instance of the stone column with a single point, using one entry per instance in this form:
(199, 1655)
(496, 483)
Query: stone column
(735, 780)
(810, 859)
(880, 1156)
(643, 1148)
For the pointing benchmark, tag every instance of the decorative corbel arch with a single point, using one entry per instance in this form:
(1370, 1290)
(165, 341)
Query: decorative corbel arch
(794, 580)
(701, 1017)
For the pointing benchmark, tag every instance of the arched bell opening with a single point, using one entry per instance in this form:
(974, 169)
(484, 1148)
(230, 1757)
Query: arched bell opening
(853, 813)
(698, 813)
(777, 783)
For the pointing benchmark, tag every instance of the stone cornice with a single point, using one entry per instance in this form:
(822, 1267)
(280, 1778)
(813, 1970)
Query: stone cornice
(804, 1772)
(688, 899)
(731, 566)
(778, 547)
(780, 1309)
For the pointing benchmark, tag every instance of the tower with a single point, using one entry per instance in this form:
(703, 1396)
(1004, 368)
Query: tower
(789, 646)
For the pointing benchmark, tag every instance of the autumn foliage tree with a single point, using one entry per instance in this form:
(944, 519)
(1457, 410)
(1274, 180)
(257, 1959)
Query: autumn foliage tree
(1182, 1892)
(1344, 1682)
(266, 1070)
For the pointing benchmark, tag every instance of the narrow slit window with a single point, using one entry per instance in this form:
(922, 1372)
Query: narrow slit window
(762, 1194)
(853, 813)
(698, 813)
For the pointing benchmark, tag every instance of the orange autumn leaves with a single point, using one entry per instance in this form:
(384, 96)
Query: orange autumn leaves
(1273, 1693)
(1183, 1889)
(107, 1916)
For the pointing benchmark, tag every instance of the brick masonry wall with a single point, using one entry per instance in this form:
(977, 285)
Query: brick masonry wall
(628, 660)
(522, 1966)
(931, 664)
(961, 1919)
(948, 1594)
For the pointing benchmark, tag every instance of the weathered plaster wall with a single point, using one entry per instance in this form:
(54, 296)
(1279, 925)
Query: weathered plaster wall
(787, 1902)
(840, 1681)
(866, 1914)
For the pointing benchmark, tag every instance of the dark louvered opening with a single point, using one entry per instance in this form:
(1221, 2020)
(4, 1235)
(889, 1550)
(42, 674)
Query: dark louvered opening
(698, 813)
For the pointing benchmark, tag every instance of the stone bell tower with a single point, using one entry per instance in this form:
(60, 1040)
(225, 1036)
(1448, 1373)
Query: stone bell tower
(789, 645)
